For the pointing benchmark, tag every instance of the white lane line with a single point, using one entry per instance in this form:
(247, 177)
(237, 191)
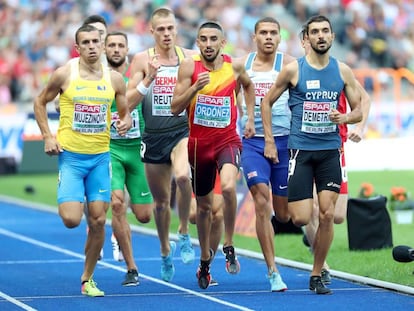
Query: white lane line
(16, 302)
(108, 265)
(47, 261)
(242, 252)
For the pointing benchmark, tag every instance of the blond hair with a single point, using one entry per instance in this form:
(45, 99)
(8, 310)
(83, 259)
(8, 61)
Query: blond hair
(161, 12)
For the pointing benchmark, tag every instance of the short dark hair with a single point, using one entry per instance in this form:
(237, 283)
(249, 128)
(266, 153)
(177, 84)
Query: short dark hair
(91, 19)
(266, 20)
(211, 24)
(85, 28)
(316, 19)
(116, 33)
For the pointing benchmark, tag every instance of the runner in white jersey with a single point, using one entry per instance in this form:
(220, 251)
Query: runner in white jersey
(263, 67)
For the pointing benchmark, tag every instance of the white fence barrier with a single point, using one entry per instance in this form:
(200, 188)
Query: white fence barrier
(380, 154)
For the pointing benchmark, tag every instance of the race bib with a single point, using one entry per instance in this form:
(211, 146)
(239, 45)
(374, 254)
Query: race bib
(162, 92)
(315, 117)
(89, 119)
(212, 111)
(134, 131)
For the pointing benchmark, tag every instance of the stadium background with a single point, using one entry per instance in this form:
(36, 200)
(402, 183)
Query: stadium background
(374, 37)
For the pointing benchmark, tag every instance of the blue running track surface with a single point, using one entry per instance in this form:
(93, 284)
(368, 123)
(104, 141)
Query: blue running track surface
(41, 262)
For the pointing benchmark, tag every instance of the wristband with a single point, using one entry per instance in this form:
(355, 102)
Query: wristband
(142, 89)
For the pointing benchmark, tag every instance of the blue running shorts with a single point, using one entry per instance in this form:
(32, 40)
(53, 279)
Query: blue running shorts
(84, 175)
(258, 169)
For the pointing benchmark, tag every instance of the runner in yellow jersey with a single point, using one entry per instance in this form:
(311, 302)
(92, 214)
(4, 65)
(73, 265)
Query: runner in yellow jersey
(87, 90)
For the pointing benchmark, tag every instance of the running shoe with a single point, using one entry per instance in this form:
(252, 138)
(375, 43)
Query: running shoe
(305, 240)
(276, 282)
(167, 265)
(213, 282)
(131, 278)
(101, 254)
(203, 272)
(232, 264)
(316, 285)
(186, 248)
(326, 277)
(116, 250)
(89, 289)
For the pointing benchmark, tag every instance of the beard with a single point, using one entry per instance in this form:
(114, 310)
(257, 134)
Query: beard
(210, 58)
(319, 50)
(116, 64)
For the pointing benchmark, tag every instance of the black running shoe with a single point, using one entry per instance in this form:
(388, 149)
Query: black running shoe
(232, 264)
(326, 277)
(305, 240)
(203, 272)
(316, 285)
(131, 278)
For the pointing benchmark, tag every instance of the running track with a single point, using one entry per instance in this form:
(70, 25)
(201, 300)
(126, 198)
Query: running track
(41, 262)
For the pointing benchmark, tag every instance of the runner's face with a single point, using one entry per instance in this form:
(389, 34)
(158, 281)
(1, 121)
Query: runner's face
(267, 37)
(320, 37)
(116, 48)
(164, 30)
(102, 29)
(89, 45)
(210, 41)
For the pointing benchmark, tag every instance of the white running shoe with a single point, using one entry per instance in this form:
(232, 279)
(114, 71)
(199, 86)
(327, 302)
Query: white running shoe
(116, 251)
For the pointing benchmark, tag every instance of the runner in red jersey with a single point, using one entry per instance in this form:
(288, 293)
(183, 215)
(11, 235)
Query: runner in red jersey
(206, 87)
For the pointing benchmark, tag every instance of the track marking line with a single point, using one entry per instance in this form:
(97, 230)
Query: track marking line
(16, 302)
(114, 267)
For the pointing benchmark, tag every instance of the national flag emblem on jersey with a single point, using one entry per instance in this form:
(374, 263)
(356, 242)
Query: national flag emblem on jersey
(251, 174)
